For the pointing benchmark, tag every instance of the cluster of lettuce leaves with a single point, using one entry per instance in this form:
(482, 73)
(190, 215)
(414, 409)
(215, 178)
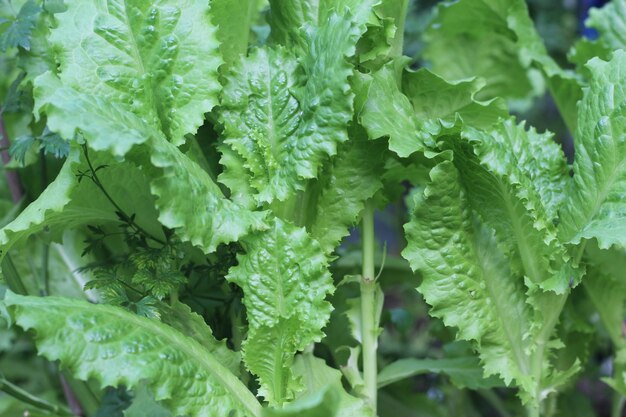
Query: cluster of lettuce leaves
(312, 122)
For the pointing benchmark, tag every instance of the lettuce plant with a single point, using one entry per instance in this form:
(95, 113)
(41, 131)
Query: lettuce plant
(243, 142)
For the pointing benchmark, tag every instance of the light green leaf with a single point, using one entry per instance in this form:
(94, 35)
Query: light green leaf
(388, 112)
(609, 21)
(414, 108)
(237, 178)
(440, 103)
(191, 203)
(261, 118)
(515, 180)
(317, 376)
(466, 278)
(595, 206)
(322, 403)
(285, 279)
(288, 18)
(159, 59)
(472, 285)
(464, 372)
(174, 177)
(69, 202)
(353, 177)
(566, 91)
(233, 26)
(294, 113)
(106, 125)
(117, 347)
(180, 317)
(129, 76)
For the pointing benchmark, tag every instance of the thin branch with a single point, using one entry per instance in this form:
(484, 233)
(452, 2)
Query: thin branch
(122, 213)
(28, 398)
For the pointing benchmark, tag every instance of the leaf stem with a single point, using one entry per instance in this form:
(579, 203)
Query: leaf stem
(12, 277)
(26, 397)
(369, 321)
(532, 409)
(397, 45)
(45, 273)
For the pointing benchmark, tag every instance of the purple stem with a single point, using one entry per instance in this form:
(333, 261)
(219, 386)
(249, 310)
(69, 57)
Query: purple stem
(72, 401)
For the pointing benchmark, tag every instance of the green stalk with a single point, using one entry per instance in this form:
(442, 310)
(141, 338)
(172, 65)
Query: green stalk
(45, 273)
(532, 410)
(369, 312)
(12, 277)
(398, 40)
(27, 398)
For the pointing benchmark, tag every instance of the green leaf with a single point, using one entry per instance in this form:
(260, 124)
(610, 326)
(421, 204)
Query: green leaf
(174, 176)
(117, 347)
(472, 285)
(595, 206)
(464, 372)
(50, 143)
(144, 405)
(609, 21)
(472, 38)
(424, 107)
(285, 279)
(233, 26)
(294, 113)
(113, 403)
(605, 286)
(70, 202)
(323, 403)
(466, 278)
(388, 112)
(181, 186)
(496, 40)
(261, 119)
(106, 125)
(21, 28)
(440, 103)
(317, 376)
(20, 147)
(288, 19)
(160, 61)
(353, 177)
(53, 144)
(515, 180)
(180, 317)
